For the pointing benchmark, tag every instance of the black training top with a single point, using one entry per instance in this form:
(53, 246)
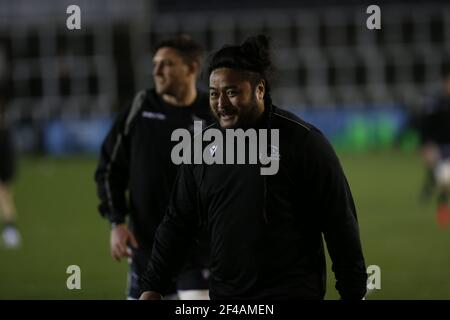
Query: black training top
(435, 125)
(266, 231)
(135, 159)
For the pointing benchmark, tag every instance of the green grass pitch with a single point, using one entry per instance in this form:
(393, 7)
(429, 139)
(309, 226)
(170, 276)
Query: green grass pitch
(58, 218)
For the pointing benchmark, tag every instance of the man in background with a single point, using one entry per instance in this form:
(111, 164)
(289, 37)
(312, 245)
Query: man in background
(434, 129)
(135, 161)
(10, 233)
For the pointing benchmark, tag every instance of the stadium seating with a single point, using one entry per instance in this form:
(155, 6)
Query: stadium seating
(326, 58)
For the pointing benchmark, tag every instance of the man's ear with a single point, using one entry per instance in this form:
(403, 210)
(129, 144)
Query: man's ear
(261, 89)
(194, 67)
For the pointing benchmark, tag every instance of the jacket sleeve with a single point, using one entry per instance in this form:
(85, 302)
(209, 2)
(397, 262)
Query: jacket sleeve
(112, 174)
(175, 235)
(336, 216)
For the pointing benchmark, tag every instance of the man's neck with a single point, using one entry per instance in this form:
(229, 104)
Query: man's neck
(184, 98)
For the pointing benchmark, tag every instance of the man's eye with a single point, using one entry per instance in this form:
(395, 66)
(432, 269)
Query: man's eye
(231, 92)
(213, 94)
(166, 63)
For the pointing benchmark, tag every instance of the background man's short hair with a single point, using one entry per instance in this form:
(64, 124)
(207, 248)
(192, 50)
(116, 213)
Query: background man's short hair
(190, 50)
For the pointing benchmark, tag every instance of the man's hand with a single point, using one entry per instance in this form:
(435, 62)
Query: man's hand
(150, 295)
(120, 238)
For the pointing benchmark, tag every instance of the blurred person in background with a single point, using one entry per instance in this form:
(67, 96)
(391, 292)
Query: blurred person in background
(265, 231)
(434, 129)
(135, 161)
(10, 234)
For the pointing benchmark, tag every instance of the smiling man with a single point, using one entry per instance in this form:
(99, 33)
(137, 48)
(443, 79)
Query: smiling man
(236, 103)
(265, 231)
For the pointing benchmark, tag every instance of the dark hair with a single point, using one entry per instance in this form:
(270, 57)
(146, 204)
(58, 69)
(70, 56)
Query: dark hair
(446, 69)
(252, 55)
(190, 50)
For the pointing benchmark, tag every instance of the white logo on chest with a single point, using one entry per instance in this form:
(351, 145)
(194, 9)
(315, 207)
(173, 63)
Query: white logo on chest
(153, 115)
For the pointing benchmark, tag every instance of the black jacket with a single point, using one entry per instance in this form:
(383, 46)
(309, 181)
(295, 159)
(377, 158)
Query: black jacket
(266, 231)
(135, 160)
(435, 121)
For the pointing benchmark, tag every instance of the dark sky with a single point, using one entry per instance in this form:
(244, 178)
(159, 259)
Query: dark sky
(212, 5)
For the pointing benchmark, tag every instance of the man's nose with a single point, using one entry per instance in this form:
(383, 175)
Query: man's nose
(222, 101)
(157, 69)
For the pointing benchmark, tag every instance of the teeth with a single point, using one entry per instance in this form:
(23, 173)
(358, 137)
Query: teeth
(226, 113)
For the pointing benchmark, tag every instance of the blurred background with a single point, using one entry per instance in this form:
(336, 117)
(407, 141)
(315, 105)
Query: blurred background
(61, 89)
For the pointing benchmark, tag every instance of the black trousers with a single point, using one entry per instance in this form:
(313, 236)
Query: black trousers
(7, 157)
(192, 277)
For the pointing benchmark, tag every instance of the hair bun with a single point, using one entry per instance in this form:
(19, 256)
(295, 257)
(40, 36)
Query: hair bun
(260, 42)
(257, 48)
(252, 55)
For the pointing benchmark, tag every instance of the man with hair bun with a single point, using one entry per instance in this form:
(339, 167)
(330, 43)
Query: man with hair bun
(265, 231)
